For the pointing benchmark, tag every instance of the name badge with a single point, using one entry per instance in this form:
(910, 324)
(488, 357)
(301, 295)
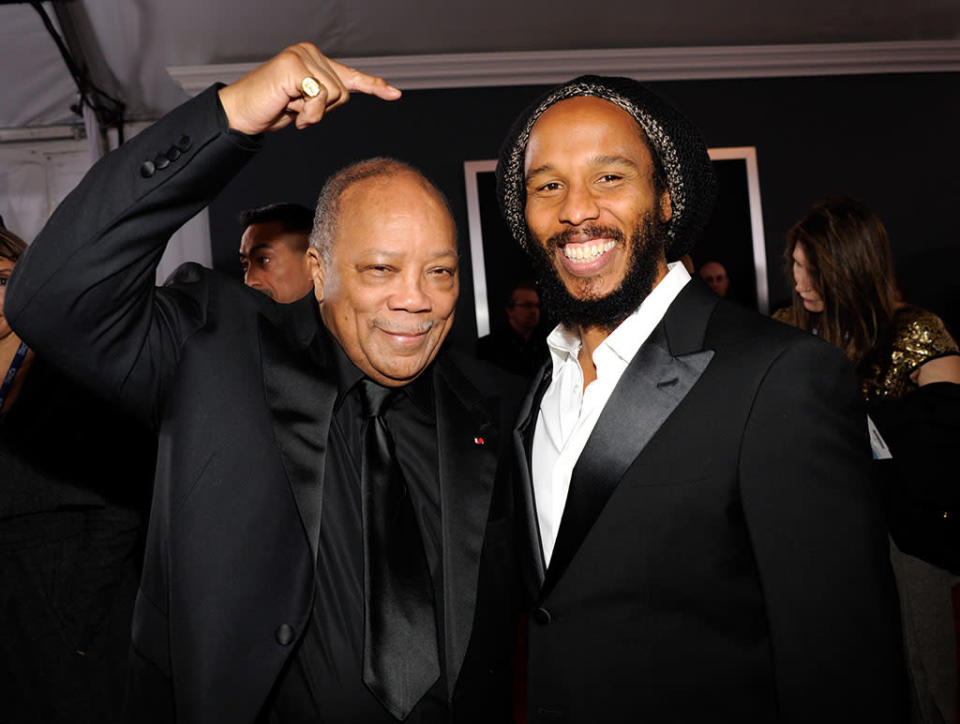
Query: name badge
(877, 443)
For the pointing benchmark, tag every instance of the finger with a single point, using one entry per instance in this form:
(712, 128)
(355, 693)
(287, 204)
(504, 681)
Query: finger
(312, 110)
(356, 80)
(318, 67)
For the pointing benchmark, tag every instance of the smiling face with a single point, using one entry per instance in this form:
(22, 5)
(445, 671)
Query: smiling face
(388, 291)
(274, 261)
(592, 206)
(804, 280)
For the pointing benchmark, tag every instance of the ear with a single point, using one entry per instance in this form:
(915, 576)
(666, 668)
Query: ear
(666, 207)
(318, 271)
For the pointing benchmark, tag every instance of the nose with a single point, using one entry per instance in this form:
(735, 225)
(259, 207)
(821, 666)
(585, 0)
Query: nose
(251, 278)
(579, 205)
(410, 294)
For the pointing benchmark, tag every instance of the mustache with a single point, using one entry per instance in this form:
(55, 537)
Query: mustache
(399, 328)
(590, 231)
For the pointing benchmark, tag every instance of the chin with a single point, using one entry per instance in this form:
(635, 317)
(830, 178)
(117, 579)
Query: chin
(400, 374)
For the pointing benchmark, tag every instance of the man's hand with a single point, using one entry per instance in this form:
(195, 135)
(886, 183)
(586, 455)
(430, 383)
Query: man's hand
(270, 96)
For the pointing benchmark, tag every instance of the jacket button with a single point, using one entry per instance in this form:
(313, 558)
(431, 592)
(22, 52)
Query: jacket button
(148, 169)
(284, 634)
(161, 161)
(184, 143)
(173, 153)
(542, 616)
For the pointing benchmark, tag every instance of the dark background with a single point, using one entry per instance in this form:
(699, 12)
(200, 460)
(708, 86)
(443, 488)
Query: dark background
(889, 140)
(728, 237)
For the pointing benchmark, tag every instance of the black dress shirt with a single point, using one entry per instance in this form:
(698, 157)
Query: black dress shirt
(322, 682)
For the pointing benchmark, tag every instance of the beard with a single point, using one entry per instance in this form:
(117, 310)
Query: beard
(647, 245)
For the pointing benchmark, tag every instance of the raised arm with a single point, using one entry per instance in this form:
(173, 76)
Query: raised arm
(83, 295)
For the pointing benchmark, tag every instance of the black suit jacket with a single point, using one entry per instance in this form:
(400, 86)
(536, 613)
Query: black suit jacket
(721, 556)
(242, 391)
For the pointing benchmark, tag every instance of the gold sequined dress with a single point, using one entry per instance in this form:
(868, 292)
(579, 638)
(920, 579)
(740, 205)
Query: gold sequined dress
(918, 336)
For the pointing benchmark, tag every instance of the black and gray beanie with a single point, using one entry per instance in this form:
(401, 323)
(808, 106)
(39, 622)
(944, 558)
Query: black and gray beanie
(673, 139)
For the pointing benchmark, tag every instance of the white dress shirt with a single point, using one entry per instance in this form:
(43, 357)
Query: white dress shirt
(568, 413)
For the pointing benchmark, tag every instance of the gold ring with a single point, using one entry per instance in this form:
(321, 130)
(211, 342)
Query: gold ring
(310, 87)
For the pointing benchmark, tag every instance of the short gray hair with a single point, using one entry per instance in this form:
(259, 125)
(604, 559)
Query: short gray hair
(327, 216)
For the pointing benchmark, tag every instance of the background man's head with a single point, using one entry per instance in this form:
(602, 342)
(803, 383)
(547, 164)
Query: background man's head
(273, 250)
(603, 183)
(523, 309)
(715, 275)
(383, 256)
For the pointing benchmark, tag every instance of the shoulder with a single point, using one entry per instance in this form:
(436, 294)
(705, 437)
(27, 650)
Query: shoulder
(217, 302)
(195, 280)
(735, 324)
(488, 380)
(785, 315)
(921, 334)
(772, 352)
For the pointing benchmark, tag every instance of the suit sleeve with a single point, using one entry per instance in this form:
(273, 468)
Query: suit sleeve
(83, 295)
(814, 516)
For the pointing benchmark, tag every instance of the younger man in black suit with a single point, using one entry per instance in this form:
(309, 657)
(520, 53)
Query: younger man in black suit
(705, 541)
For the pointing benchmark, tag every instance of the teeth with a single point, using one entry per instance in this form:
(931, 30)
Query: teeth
(587, 252)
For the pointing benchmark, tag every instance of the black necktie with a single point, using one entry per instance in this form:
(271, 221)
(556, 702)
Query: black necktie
(400, 661)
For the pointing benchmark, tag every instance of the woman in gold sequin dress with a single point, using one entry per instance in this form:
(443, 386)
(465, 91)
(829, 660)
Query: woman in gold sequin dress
(839, 259)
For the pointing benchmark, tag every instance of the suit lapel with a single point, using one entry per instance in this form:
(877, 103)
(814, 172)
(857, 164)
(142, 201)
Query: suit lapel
(467, 448)
(658, 378)
(300, 392)
(523, 448)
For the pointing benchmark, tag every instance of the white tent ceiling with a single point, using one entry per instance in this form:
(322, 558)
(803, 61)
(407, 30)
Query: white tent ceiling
(129, 44)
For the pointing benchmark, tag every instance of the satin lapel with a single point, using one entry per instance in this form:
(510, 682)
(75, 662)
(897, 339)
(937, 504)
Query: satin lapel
(534, 568)
(300, 392)
(648, 392)
(467, 433)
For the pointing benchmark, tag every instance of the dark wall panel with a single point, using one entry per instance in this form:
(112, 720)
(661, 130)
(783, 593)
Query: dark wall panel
(889, 140)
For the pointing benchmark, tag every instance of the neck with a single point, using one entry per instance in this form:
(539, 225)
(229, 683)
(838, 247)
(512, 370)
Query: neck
(590, 339)
(593, 336)
(8, 348)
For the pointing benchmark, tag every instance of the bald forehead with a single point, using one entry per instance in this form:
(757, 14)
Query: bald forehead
(401, 199)
(399, 183)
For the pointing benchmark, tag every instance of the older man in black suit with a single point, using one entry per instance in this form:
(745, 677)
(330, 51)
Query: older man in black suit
(705, 543)
(329, 537)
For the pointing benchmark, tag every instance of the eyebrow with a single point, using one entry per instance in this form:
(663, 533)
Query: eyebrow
(264, 245)
(595, 161)
(393, 253)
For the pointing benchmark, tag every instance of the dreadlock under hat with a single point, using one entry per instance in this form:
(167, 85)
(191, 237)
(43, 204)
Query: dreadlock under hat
(674, 141)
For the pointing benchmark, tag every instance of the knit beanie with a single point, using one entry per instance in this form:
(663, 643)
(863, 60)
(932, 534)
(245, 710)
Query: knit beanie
(675, 142)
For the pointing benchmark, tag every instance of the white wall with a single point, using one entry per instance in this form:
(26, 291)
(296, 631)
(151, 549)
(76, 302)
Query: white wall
(35, 176)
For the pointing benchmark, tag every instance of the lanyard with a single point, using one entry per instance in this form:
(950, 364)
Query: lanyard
(12, 372)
